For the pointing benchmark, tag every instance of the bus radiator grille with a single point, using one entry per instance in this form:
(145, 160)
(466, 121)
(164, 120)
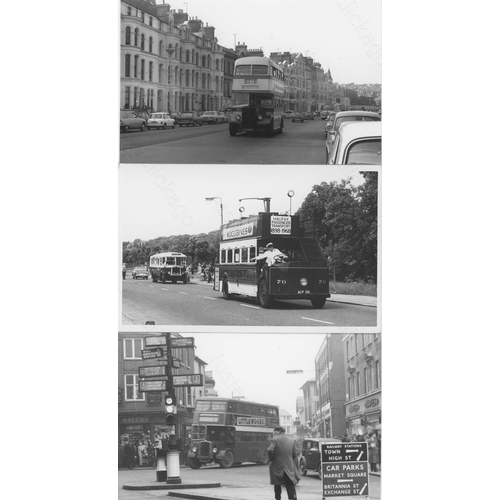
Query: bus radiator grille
(205, 449)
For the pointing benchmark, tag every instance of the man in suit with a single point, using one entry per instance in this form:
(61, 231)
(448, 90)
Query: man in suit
(282, 454)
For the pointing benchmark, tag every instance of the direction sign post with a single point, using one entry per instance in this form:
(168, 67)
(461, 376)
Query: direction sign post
(344, 469)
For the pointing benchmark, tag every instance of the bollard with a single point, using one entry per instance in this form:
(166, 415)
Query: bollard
(174, 469)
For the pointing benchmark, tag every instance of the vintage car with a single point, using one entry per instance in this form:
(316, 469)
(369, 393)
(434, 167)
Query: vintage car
(310, 459)
(129, 120)
(211, 118)
(160, 120)
(189, 118)
(140, 272)
(334, 123)
(308, 115)
(356, 143)
(297, 117)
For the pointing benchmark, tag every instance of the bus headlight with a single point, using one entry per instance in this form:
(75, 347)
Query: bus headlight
(238, 117)
(303, 281)
(259, 117)
(194, 449)
(214, 450)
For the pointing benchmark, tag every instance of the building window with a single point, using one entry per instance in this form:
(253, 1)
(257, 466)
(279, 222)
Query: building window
(150, 44)
(377, 375)
(129, 11)
(127, 35)
(127, 64)
(143, 63)
(358, 392)
(132, 388)
(127, 98)
(150, 71)
(150, 21)
(136, 65)
(143, 40)
(160, 71)
(132, 347)
(136, 36)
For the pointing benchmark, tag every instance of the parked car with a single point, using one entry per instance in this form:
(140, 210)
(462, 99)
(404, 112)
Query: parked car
(160, 120)
(308, 116)
(288, 113)
(140, 272)
(329, 122)
(142, 114)
(175, 115)
(189, 118)
(211, 118)
(129, 120)
(356, 143)
(310, 459)
(298, 117)
(348, 116)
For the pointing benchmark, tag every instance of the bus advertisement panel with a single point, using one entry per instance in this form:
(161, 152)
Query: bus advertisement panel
(230, 431)
(269, 256)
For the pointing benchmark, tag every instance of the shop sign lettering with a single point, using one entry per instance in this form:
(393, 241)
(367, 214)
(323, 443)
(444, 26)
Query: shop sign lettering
(281, 224)
(353, 408)
(371, 403)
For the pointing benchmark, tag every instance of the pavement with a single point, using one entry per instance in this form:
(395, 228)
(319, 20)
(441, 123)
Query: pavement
(358, 300)
(216, 491)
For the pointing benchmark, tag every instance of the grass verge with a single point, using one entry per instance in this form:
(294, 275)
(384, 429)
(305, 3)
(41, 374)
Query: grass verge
(353, 288)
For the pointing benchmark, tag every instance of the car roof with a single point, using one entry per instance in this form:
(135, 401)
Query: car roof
(357, 130)
(340, 114)
(324, 440)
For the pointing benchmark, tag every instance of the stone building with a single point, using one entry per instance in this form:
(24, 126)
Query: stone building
(169, 61)
(363, 382)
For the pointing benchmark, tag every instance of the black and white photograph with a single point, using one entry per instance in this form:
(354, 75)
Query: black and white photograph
(194, 413)
(275, 82)
(254, 248)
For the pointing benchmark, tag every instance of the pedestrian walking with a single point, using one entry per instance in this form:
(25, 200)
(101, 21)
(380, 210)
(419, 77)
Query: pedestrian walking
(373, 452)
(142, 453)
(282, 467)
(124, 271)
(129, 454)
(121, 447)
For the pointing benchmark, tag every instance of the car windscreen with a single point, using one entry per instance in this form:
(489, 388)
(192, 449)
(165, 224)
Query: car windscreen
(343, 119)
(156, 115)
(367, 152)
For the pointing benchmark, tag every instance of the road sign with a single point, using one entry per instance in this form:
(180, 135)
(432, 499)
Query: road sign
(182, 342)
(344, 468)
(152, 385)
(155, 341)
(187, 380)
(153, 371)
(152, 353)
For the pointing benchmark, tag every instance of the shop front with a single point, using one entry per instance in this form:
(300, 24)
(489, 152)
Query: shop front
(364, 414)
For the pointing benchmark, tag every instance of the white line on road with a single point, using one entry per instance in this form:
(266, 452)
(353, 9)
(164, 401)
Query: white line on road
(164, 288)
(246, 305)
(318, 320)
(210, 298)
(184, 293)
(151, 286)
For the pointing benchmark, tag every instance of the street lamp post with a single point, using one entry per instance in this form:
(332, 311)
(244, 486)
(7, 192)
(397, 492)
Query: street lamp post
(291, 194)
(221, 208)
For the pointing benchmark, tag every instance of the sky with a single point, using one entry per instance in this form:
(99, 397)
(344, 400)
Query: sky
(165, 200)
(344, 36)
(255, 365)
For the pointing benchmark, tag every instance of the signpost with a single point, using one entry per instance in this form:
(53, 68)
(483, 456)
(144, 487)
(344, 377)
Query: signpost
(155, 341)
(152, 371)
(187, 380)
(177, 342)
(344, 469)
(152, 385)
(152, 353)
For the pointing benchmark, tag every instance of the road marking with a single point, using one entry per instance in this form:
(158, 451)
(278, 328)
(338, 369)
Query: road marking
(246, 305)
(184, 293)
(318, 320)
(151, 286)
(210, 298)
(165, 289)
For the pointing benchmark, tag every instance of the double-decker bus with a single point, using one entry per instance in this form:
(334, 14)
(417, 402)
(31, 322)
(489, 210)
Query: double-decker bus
(230, 431)
(301, 273)
(258, 96)
(168, 266)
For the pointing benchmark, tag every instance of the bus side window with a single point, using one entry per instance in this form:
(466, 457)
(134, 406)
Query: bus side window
(229, 256)
(236, 255)
(222, 256)
(252, 252)
(244, 255)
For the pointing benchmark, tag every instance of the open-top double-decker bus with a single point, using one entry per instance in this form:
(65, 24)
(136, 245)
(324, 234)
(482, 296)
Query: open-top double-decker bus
(168, 266)
(230, 431)
(258, 96)
(300, 273)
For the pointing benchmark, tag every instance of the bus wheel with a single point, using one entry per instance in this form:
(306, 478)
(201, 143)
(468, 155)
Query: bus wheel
(155, 279)
(318, 303)
(194, 463)
(228, 461)
(232, 130)
(162, 278)
(185, 279)
(225, 292)
(263, 297)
